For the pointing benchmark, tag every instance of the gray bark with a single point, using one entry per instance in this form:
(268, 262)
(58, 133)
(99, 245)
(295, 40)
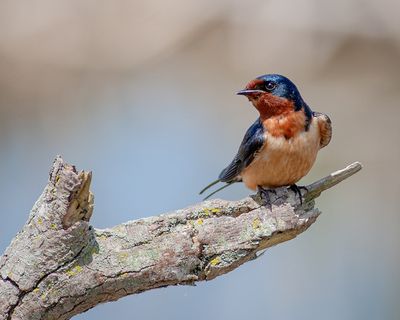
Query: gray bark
(59, 266)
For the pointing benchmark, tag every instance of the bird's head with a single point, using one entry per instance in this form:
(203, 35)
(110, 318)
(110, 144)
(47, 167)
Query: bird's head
(273, 95)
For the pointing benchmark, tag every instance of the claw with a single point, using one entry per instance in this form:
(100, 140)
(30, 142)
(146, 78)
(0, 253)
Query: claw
(297, 190)
(265, 195)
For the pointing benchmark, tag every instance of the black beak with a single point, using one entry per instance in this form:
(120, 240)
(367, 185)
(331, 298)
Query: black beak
(249, 92)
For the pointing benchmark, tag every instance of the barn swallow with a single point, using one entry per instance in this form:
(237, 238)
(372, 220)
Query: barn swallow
(281, 146)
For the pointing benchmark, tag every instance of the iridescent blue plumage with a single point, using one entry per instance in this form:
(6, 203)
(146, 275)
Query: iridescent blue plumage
(288, 90)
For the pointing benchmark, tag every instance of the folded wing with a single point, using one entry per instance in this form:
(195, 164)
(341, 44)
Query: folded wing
(252, 142)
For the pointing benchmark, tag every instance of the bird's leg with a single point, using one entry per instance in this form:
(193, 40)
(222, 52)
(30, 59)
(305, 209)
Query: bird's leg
(297, 190)
(265, 194)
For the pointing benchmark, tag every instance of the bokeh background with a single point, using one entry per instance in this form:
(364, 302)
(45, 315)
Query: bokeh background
(142, 93)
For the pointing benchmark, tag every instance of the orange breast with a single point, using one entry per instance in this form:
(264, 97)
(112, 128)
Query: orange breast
(283, 161)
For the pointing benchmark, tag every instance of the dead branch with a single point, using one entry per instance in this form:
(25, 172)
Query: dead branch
(59, 266)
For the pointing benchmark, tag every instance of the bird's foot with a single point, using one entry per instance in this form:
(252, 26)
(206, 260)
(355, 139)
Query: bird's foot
(297, 190)
(266, 196)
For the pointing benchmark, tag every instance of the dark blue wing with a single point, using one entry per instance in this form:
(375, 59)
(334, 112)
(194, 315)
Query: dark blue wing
(252, 142)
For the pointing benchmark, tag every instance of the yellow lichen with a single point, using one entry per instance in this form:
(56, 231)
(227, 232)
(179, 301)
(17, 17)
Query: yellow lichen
(40, 220)
(36, 290)
(122, 255)
(200, 221)
(53, 226)
(207, 212)
(74, 271)
(215, 261)
(256, 223)
(103, 237)
(57, 178)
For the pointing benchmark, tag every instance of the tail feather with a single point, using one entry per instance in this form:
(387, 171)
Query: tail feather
(219, 189)
(209, 186)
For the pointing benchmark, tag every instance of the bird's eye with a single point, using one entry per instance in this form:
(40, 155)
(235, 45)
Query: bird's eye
(269, 85)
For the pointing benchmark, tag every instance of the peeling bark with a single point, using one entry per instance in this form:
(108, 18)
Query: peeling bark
(59, 266)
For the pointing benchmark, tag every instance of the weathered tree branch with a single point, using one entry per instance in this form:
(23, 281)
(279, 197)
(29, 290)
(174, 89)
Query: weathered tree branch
(59, 266)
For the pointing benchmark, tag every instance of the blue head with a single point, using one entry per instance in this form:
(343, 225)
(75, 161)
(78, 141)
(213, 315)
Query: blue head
(273, 94)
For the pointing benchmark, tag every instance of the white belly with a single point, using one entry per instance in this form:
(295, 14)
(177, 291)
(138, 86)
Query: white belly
(283, 162)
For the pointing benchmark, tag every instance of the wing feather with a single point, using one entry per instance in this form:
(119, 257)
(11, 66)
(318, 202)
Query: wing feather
(252, 142)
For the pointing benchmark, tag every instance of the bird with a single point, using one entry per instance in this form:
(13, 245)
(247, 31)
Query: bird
(281, 146)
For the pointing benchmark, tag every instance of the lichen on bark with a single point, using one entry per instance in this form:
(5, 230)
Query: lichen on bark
(59, 265)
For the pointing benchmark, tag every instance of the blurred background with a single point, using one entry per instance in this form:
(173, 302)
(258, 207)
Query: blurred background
(143, 94)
